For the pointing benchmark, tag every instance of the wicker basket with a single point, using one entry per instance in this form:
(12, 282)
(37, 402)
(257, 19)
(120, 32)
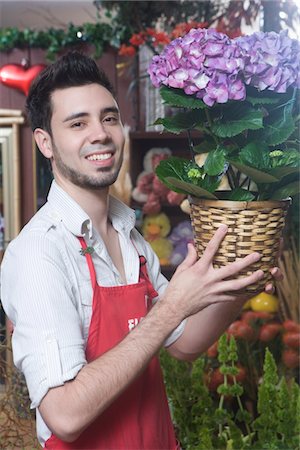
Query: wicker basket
(252, 227)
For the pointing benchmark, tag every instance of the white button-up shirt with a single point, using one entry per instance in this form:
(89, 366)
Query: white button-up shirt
(46, 288)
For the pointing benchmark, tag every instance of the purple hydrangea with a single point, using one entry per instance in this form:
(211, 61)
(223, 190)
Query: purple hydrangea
(216, 69)
(272, 61)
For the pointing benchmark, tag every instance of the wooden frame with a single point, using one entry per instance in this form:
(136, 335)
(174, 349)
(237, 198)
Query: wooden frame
(10, 161)
(10, 184)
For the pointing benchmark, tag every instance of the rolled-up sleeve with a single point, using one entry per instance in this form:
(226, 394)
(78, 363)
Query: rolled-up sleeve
(37, 293)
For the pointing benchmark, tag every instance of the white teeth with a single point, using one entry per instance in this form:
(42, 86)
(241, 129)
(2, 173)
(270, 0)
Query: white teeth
(99, 157)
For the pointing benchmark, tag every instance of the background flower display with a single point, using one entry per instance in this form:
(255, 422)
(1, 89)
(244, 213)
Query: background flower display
(241, 95)
(212, 405)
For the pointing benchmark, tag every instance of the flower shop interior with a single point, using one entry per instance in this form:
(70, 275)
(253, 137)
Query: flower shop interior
(243, 392)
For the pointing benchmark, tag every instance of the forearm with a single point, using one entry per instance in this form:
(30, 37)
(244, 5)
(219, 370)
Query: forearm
(204, 328)
(69, 409)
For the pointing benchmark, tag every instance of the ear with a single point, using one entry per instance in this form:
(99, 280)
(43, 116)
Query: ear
(44, 142)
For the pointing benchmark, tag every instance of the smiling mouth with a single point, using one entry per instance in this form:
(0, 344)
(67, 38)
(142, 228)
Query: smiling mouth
(98, 157)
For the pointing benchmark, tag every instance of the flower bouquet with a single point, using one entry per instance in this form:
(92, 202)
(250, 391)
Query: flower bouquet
(237, 99)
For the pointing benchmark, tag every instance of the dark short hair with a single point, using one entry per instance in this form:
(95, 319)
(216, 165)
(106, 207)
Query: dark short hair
(71, 69)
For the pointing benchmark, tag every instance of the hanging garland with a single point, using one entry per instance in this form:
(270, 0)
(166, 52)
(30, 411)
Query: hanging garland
(100, 35)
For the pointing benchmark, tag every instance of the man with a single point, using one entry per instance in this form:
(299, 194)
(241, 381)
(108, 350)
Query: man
(79, 283)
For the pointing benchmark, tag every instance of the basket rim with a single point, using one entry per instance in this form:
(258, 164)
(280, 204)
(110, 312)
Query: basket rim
(240, 204)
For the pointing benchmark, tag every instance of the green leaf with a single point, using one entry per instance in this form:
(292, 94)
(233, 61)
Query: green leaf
(181, 122)
(256, 155)
(236, 120)
(279, 125)
(263, 100)
(290, 190)
(205, 146)
(215, 161)
(281, 172)
(173, 167)
(178, 98)
(240, 194)
(290, 157)
(188, 188)
(256, 175)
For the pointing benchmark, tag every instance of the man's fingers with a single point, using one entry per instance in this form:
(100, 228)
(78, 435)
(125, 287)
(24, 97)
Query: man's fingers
(276, 273)
(241, 283)
(214, 244)
(190, 258)
(269, 288)
(235, 267)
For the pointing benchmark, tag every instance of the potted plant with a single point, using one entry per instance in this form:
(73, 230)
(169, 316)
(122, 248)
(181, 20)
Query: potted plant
(240, 96)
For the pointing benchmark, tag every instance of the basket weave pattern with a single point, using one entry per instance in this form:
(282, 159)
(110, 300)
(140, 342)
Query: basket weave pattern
(252, 227)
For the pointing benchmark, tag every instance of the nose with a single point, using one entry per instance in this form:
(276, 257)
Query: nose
(98, 132)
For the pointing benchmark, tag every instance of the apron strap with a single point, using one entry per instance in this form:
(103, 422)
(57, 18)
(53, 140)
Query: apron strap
(89, 261)
(143, 268)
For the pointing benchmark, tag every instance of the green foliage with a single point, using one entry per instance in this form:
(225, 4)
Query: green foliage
(177, 174)
(116, 21)
(254, 141)
(277, 424)
(177, 98)
(100, 35)
(203, 423)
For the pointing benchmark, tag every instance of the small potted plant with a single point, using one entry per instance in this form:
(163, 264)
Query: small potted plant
(240, 99)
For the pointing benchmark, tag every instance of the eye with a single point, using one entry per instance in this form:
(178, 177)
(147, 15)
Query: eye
(77, 125)
(111, 119)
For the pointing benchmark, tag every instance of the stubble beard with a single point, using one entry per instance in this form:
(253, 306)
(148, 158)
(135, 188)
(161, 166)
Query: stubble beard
(107, 175)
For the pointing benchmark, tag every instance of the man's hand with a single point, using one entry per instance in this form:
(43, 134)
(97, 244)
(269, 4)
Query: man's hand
(196, 284)
(277, 275)
(216, 308)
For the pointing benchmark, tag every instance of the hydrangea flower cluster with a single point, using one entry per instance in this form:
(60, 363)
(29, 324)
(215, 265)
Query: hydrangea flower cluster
(215, 68)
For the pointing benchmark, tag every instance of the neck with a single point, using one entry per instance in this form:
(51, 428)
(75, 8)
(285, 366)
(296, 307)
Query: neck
(93, 201)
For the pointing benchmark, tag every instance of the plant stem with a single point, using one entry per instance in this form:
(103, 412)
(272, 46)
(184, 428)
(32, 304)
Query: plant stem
(191, 145)
(238, 398)
(210, 125)
(221, 403)
(230, 176)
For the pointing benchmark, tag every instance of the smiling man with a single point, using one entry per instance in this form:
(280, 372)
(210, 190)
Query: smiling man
(84, 291)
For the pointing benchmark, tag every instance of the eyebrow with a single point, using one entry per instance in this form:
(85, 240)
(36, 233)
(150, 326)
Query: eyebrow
(110, 109)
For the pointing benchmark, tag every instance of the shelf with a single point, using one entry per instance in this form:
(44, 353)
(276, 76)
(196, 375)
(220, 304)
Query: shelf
(140, 143)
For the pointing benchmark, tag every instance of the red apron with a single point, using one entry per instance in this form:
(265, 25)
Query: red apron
(139, 418)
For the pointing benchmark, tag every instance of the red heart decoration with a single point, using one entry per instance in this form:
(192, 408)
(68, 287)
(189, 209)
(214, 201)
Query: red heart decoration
(19, 77)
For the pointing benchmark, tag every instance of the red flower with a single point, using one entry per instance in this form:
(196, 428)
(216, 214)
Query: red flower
(251, 316)
(290, 358)
(127, 50)
(137, 39)
(151, 31)
(290, 325)
(214, 379)
(268, 331)
(242, 330)
(212, 351)
(161, 39)
(292, 339)
(184, 27)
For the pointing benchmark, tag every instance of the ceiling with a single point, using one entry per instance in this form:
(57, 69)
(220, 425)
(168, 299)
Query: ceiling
(50, 13)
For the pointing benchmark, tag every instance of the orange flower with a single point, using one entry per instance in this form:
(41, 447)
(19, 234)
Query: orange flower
(161, 38)
(127, 50)
(151, 31)
(184, 27)
(137, 39)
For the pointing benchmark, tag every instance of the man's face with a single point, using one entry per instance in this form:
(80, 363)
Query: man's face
(87, 136)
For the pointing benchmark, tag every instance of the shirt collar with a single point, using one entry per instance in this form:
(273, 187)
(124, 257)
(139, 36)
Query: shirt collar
(76, 220)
